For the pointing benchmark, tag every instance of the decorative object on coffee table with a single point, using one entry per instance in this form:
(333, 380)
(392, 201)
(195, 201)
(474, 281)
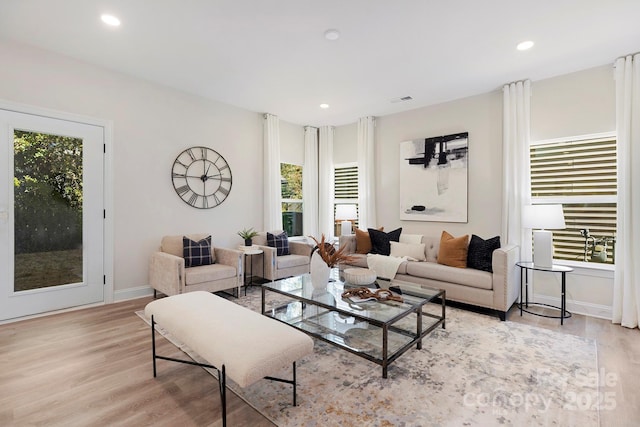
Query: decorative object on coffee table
(324, 257)
(248, 235)
(359, 276)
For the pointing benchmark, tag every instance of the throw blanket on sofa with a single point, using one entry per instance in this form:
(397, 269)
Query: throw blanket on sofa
(384, 266)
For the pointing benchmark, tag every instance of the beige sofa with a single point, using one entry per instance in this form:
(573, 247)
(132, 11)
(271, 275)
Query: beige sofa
(279, 267)
(497, 291)
(167, 272)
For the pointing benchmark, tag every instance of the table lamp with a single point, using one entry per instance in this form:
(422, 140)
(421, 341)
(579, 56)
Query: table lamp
(544, 218)
(346, 213)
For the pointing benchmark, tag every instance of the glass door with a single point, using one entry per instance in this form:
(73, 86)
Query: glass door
(51, 214)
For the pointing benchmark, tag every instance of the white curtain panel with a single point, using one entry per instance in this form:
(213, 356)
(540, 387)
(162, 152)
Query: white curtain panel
(325, 182)
(366, 173)
(516, 177)
(626, 282)
(310, 182)
(272, 187)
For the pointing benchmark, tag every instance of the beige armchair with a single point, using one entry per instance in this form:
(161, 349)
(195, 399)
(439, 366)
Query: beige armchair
(167, 272)
(279, 267)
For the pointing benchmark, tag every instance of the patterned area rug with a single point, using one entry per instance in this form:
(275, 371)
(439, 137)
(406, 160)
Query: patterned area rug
(478, 371)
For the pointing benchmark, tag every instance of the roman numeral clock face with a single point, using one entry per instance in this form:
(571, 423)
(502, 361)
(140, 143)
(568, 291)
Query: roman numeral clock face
(201, 177)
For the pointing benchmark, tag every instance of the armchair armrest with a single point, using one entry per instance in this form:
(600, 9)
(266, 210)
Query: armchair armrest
(166, 273)
(300, 248)
(232, 258)
(505, 289)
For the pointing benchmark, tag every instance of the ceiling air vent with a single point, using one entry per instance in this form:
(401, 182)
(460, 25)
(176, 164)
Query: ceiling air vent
(402, 99)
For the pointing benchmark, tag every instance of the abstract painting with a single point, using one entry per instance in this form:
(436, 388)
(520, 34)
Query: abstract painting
(433, 178)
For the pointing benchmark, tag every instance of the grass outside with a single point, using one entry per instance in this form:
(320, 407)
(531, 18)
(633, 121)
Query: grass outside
(44, 269)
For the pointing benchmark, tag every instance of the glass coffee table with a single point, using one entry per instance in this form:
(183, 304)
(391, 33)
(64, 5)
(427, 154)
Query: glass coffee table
(379, 331)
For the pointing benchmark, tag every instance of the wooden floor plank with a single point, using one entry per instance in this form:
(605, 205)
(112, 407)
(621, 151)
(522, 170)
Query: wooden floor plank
(93, 367)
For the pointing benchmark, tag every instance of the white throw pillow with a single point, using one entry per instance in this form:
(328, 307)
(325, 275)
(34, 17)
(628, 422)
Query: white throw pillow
(411, 238)
(414, 251)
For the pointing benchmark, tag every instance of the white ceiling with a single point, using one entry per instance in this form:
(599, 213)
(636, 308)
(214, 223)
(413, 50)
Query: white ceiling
(271, 55)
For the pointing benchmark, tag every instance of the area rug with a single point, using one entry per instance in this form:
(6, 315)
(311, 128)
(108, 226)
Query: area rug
(478, 371)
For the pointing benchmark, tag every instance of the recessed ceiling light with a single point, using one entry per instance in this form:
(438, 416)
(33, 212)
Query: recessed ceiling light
(332, 34)
(110, 20)
(324, 106)
(525, 45)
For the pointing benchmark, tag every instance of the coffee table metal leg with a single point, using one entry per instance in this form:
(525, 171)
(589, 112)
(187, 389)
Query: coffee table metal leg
(419, 327)
(385, 348)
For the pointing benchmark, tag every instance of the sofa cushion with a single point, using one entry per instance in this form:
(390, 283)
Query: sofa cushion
(414, 252)
(197, 253)
(287, 261)
(432, 244)
(208, 273)
(463, 276)
(280, 242)
(480, 252)
(453, 250)
(381, 241)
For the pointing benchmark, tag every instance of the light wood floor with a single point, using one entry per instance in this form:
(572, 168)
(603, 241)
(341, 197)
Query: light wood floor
(92, 367)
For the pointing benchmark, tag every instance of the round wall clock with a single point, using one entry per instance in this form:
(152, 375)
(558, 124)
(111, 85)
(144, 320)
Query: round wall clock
(201, 177)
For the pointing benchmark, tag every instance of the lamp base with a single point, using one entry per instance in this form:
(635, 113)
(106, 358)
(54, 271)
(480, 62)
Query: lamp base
(345, 229)
(543, 248)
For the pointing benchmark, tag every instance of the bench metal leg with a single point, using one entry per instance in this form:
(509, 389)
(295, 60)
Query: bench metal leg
(153, 344)
(222, 373)
(222, 382)
(292, 382)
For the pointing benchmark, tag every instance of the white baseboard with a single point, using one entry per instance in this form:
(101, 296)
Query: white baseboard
(578, 307)
(132, 293)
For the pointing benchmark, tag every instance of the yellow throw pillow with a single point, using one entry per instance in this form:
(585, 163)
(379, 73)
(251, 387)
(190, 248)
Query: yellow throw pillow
(453, 250)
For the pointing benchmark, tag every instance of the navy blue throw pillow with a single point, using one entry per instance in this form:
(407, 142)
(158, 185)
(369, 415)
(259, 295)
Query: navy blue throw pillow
(196, 253)
(280, 242)
(480, 253)
(381, 241)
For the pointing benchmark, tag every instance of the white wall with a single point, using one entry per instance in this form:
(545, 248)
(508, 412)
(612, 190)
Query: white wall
(574, 104)
(152, 124)
(291, 143)
(345, 146)
(481, 116)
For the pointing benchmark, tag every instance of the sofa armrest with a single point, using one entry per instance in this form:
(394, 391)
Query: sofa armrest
(232, 258)
(300, 248)
(349, 242)
(166, 273)
(505, 289)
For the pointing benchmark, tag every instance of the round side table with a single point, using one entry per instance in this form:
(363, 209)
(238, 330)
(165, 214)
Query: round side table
(250, 251)
(525, 266)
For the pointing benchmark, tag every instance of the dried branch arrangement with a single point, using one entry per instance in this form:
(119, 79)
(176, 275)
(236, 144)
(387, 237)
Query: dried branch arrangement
(329, 254)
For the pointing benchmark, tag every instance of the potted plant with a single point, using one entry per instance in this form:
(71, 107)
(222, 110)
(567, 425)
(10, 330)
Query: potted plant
(247, 235)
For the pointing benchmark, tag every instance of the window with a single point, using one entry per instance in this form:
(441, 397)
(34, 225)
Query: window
(579, 173)
(345, 178)
(291, 193)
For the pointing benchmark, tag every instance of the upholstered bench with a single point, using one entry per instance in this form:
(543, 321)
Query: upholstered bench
(254, 348)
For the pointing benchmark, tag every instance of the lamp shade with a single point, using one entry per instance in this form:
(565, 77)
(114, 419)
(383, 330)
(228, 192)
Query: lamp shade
(547, 217)
(346, 212)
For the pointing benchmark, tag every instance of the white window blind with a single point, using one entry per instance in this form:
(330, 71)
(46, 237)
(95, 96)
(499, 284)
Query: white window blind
(345, 178)
(581, 175)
